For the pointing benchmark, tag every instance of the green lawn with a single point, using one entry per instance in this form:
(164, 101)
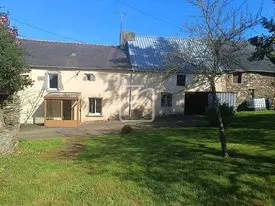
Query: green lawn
(152, 167)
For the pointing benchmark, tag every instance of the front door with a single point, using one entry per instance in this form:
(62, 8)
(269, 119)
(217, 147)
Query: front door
(67, 110)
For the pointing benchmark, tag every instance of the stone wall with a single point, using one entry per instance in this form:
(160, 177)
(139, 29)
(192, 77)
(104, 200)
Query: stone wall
(9, 123)
(262, 84)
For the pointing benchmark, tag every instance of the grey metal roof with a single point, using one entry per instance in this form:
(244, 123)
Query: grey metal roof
(74, 55)
(154, 53)
(151, 53)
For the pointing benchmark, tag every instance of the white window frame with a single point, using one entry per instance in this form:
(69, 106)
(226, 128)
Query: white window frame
(166, 99)
(49, 88)
(96, 113)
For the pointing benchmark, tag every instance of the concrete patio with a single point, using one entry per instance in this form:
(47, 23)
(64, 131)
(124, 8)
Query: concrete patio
(103, 127)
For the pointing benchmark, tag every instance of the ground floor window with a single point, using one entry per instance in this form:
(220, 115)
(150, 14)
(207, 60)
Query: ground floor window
(251, 93)
(95, 106)
(166, 100)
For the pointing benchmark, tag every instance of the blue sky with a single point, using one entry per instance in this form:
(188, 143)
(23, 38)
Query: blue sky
(98, 21)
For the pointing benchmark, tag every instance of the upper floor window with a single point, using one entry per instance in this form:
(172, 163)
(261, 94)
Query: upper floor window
(166, 100)
(181, 80)
(237, 78)
(53, 81)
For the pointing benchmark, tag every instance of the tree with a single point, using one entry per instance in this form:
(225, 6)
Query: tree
(13, 75)
(217, 39)
(265, 45)
(13, 78)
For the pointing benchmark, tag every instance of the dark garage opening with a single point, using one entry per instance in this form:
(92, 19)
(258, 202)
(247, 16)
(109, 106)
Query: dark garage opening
(196, 103)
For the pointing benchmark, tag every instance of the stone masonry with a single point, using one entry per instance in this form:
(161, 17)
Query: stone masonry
(257, 85)
(9, 124)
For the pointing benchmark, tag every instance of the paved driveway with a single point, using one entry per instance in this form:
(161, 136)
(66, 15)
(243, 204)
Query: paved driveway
(103, 127)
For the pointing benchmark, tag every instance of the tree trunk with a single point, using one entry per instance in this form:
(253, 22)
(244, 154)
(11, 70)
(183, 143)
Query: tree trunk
(220, 120)
(9, 124)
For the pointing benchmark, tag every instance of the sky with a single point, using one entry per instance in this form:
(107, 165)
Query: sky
(99, 21)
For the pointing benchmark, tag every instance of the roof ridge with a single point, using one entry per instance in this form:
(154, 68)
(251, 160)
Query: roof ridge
(170, 37)
(63, 42)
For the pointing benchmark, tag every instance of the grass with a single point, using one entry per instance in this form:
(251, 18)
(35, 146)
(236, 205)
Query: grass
(152, 167)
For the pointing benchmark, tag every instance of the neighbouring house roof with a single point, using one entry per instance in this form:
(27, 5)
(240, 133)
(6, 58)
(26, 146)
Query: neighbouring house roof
(152, 53)
(74, 55)
(264, 65)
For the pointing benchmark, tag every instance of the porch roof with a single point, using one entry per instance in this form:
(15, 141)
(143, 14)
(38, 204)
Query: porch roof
(63, 95)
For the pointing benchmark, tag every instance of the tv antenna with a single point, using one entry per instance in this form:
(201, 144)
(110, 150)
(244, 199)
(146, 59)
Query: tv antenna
(123, 16)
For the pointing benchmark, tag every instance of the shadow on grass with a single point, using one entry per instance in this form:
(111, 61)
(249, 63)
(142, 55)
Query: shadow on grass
(253, 128)
(178, 121)
(183, 166)
(255, 120)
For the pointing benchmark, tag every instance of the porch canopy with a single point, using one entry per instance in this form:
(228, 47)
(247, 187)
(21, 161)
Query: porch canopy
(62, 109)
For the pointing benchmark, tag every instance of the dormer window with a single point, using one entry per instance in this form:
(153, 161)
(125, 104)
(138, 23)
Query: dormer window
(89, 77)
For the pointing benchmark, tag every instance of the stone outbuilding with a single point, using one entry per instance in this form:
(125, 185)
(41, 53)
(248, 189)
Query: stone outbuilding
(256, 79)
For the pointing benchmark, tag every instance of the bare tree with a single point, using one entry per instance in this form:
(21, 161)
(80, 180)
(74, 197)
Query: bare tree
(216, 43)
(31, 100)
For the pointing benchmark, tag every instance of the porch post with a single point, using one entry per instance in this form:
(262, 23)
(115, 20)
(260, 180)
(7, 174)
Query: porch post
(77, 111)
(45, 112)
(79, 102)
(61, 111)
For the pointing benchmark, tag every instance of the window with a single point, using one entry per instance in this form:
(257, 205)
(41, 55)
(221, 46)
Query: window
(166, 100)
(251, 93)
(237, 78)
(53, 81)
(181, 80)
(89, 77)
(95, 106)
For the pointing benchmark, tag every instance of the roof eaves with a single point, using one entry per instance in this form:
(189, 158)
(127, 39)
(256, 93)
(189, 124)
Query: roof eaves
(64, 42)
(79, 68)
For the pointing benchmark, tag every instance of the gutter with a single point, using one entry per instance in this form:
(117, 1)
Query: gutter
(77, 68)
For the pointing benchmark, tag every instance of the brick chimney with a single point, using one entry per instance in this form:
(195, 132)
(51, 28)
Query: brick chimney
(126, 36)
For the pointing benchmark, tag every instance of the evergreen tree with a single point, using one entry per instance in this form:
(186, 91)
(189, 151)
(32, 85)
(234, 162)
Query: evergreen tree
(265, 44)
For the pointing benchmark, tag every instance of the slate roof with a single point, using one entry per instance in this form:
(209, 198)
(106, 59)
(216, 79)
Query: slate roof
(150, 53)
(74, 55)
(264, 65)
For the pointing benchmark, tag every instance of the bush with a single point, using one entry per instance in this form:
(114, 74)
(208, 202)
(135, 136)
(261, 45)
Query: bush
(137, 114)
(227, 113)
(126, 129)
(242, 107)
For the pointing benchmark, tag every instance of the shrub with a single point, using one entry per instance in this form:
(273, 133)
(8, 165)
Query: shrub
(242, 107)
(137, 114)
(126, 129)
(227, 114)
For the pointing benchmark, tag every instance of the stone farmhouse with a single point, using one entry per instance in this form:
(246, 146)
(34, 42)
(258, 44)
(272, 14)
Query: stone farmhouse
(75, 82)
